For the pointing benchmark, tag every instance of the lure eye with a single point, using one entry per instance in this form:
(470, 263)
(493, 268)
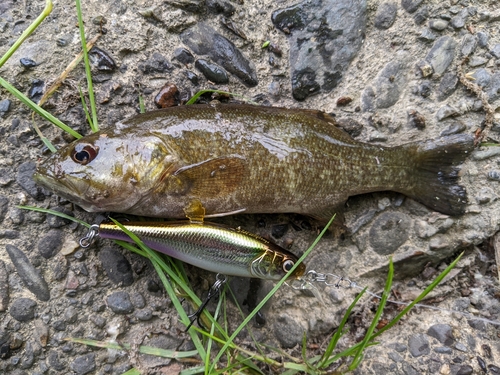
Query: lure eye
(84, 153)
(288, 265)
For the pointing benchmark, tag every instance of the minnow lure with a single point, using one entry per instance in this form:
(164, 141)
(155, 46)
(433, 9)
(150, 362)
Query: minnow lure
(213, 247)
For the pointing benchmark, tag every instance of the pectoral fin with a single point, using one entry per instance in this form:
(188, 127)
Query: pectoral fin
(213, 177)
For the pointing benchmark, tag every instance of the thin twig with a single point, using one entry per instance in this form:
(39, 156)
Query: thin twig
(478, 91)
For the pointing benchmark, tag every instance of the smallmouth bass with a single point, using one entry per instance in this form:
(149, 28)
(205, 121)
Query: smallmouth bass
(241, 158)
(210, 246)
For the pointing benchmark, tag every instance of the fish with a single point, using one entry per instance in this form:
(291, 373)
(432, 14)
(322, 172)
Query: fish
(213, 247)
(238, 158)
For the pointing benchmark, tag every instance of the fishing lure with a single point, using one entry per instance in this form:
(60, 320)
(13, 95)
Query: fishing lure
(213, 247)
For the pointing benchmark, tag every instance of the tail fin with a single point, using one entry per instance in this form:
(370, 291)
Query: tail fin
(437, 173)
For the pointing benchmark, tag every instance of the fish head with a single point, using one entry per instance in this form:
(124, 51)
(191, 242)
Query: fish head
(275, 263)
(106, 171)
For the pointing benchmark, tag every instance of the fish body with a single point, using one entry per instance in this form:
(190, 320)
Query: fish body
(241, 158)
(210, 246)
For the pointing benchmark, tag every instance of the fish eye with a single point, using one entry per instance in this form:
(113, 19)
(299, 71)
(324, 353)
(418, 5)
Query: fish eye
(288, 265)
(84, 153)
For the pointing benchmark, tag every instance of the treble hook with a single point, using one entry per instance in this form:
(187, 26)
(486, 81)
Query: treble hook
(214, 290)
(89, 237)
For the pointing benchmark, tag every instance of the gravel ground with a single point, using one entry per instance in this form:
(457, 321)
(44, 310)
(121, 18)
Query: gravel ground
(389, 71)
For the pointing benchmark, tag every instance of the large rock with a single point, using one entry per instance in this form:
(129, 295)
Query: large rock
(324, 38)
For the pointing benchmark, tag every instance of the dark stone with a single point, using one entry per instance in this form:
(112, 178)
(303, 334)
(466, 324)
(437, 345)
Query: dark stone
(10, 234)
(389, 231)
(220, 6)
(211, 71)
(386, 89)
(304, 84)
(482, 77)
(168, 96)
(421, 15)
(28, 357)
(183, 55)
(116, 266)
(288, 332)
(36, 90)
(442, 54)
(153, 286)
(156, 64)
(83, 364)
(418, 345)
(443, 350)
(326, 37)
(425, 89)
(25, 180)
(495, 370)
(465, 370)
(455, 128)
(443, 333)
(447, 86)
(192, 77)
(411, 5)
(477, 324)
(495, 51)
(233, 27)
(279, 230)
(445, 112)
(50, 244)
(4, 107)
(57, 221)
(4, 206)
(457, 22)
(23, 309)
(494, 175)
(102, 60)
(59, 325)
(30, 276)
(119, 303)
(494, 87)
(27, 63)
(4, 290)
(350, 126)
(144, 315)
(54, 361)
(203, 40)
(427, 36)
(386, 15)
(469, 43)
(482, 39)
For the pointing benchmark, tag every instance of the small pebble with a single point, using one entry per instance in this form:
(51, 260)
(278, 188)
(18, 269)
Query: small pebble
(4, 288)
(455, 128)
(23, 309)
(4, 106)
(83, 364)
(445, 112)
(211, 71)
(102, 59)
(183, 55)
(192, 77)
(51, 243)
(156, 64)
(116, 266)
(443, 333)
(494, 175)
(418, 345)
(144, 314)
(416, 120)
(495, 51)
(168, 96)
(119, 303)
(438, 24)
(482, 39)
(36, 90)
(27, 63)
(30, 276)
(386, 15)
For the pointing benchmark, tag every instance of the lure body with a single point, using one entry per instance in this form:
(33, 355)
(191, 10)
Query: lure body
(210, 246)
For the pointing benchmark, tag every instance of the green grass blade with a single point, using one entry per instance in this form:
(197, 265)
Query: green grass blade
(269, 295)
(132, 371)
(55, 213)
(142, 108)
(94, 125)
(42, 112)
(368, 336)
(26, 33)
(85, 109)
(193, 370)
(422, 295)
(324, 361)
